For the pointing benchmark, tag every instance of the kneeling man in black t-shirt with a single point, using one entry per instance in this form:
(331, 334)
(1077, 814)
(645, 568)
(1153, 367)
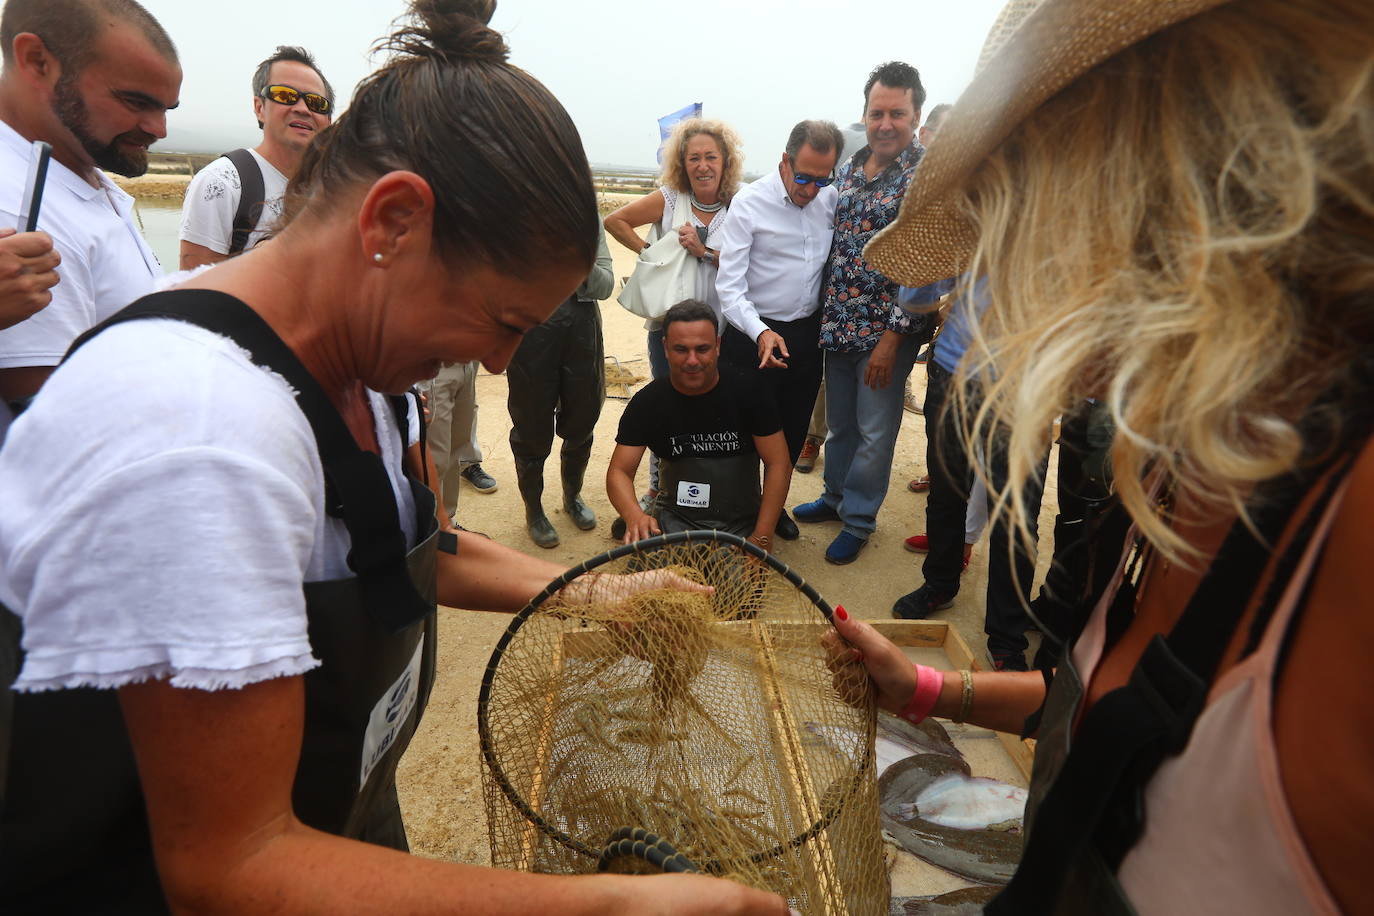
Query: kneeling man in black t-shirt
(709, 432)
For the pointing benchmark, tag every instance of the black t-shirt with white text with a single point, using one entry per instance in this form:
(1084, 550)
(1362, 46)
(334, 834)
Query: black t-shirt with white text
(721, 423)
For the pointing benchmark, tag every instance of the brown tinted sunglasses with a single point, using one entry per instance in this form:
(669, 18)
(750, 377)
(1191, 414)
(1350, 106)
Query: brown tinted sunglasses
(285, 95)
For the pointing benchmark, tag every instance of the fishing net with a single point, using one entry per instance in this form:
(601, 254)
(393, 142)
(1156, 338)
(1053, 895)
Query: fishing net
(682, 731)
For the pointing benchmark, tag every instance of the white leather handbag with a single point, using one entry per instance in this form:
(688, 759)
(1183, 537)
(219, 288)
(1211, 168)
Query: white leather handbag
(665, 273)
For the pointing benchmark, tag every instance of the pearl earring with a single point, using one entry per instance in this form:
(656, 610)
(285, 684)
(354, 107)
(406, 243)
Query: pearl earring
(377, 257)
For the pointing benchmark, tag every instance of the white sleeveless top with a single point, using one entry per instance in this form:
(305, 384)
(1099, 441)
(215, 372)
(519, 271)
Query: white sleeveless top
(706, 270)
(1219, 835)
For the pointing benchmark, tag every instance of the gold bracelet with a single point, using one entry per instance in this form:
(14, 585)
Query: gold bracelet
(966, 700)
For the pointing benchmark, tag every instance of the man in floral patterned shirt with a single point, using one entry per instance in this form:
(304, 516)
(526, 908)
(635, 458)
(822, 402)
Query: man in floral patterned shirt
(870, 343)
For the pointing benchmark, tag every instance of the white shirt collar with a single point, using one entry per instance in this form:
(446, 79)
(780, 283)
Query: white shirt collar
(56, 170)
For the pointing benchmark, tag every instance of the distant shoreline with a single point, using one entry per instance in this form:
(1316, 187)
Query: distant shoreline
(170, 188)
(170, 173)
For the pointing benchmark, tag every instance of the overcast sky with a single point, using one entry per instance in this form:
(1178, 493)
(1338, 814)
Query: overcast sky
(617, 65)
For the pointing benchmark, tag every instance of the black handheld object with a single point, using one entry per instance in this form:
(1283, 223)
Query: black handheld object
(33, 187)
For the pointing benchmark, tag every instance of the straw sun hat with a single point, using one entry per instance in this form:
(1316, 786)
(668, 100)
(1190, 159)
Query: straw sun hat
(1035, 49)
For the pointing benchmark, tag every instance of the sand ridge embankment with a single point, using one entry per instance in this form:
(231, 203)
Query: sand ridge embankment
(154, 187)
(172, 187)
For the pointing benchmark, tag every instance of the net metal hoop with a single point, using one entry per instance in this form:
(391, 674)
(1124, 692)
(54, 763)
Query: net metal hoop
(663, 540)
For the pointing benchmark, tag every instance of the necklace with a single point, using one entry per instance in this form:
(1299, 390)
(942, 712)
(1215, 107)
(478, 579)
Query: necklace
(705, 208)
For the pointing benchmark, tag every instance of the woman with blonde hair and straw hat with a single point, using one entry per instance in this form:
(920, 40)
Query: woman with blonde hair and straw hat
(1173, 207)
(702, 165)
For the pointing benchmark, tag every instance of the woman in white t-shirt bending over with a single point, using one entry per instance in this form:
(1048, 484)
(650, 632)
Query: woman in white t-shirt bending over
(209, 715)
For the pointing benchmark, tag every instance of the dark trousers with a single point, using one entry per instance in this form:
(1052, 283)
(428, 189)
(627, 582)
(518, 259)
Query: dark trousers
(951, 477)
(556, 384)
(1087, 528)
(1010, 575)
(793, 389)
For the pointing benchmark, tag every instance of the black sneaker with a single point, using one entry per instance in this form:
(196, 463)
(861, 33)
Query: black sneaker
(481, 481)
(920, 604)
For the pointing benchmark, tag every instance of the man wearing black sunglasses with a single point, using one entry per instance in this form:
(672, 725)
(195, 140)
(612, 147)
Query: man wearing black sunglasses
(233, 203)
(772, 260)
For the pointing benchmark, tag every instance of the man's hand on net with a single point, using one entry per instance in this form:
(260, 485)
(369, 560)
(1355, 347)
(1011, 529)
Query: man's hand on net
(637, 529)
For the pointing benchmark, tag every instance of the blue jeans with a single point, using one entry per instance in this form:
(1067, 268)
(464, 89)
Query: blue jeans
(863, 433)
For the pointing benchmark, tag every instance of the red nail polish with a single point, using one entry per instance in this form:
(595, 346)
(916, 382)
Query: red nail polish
(841, 613)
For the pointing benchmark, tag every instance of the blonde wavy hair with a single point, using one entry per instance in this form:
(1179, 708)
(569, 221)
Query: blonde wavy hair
(675, 150)
(1187, 234)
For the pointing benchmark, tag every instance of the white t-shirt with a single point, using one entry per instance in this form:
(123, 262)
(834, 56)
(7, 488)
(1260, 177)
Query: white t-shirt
(212, 199)
(163, 504)
(105, 262)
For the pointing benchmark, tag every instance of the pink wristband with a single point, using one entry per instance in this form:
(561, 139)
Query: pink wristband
(929, 681)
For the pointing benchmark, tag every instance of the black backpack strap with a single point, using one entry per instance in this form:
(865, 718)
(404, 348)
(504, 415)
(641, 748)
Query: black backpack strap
(356, 480)
(252, 194)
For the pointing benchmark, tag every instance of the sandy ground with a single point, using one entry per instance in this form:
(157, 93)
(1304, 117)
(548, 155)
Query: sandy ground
(440, 779)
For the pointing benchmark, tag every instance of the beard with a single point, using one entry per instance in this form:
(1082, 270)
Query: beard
(70, 109)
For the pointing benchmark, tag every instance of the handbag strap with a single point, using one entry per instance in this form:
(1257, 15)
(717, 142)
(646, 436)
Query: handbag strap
(682, 213)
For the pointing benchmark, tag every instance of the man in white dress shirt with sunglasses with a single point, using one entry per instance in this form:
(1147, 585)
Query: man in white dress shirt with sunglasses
(771, 260)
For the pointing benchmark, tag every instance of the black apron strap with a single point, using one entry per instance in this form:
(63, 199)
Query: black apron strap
(1096, 805)
(355, 478)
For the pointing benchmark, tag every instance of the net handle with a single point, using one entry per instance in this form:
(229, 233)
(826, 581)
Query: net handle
(638, 843)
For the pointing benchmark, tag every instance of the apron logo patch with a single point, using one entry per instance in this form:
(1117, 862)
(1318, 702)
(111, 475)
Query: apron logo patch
(693, 495)
(392, 711)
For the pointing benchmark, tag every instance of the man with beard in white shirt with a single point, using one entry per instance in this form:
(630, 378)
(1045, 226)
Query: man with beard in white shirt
(95, 79)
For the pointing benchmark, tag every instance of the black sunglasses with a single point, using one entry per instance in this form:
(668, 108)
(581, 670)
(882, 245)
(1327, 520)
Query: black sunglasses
(802, 178)
(285, 95)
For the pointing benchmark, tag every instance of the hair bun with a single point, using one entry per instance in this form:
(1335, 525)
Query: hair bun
(451, 30)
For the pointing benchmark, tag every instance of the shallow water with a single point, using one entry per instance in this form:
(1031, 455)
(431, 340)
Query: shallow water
(160, 222)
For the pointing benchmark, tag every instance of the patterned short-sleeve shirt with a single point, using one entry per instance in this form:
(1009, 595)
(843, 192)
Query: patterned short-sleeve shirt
(859, 303)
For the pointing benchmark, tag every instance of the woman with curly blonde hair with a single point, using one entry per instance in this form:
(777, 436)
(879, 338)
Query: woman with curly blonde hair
(702, 159)
(1171, 204)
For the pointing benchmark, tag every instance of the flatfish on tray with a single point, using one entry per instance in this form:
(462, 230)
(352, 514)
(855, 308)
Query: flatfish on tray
(896, 739)
(938, 811)
(928, 737)
(966, 901)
